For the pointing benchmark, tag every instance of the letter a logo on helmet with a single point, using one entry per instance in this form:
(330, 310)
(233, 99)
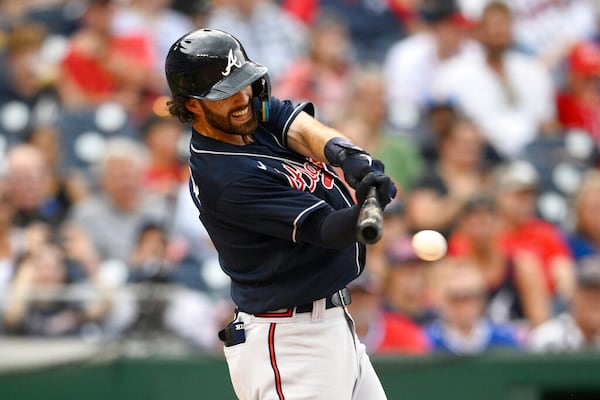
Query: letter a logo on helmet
(209, 64)
(231, 62)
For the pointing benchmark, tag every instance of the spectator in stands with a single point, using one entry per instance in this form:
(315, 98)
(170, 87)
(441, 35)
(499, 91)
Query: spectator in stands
(81, 256)
(39, 303)
(405, 286)
(271, 36)
(324, 75)
(509, 95)
(165, 169)
(578, 103)
(28, 98)
(584, 238)
(381, 331)
(459, 172)
(410, 64)
(101, 66)
(460, 299)
(112, 217)
(67, 186)
(30, 181)
(148, 260)
(176, 309)
(523, 234)
(366, 121)
(515, 289)
(437, 117)
(579, 328)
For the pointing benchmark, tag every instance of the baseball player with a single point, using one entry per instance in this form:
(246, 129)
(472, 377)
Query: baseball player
(283, 222)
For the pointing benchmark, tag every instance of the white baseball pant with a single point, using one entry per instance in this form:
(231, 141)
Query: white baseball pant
(304, 356)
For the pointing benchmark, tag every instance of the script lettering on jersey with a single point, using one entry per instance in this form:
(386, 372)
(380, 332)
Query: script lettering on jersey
(232, 61)
(307, 176)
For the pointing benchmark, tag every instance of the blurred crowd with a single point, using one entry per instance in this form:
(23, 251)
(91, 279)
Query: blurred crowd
(485, 113)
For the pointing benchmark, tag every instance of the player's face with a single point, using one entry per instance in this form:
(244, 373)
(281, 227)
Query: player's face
(233, 115)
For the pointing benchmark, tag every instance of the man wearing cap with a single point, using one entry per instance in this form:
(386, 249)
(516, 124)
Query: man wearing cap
(508, 94)
(578, 103)
(526, 238)
(579, 328)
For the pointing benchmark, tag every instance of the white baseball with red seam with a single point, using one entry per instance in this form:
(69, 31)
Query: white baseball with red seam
(429, 245)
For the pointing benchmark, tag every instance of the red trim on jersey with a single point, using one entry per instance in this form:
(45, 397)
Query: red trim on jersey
(274, 362)
(287, 313)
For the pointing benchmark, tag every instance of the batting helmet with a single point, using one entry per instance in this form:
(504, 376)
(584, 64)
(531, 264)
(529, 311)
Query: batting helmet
(210, 64)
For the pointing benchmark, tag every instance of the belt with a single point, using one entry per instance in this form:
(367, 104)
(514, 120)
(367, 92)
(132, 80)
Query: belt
(338, 299)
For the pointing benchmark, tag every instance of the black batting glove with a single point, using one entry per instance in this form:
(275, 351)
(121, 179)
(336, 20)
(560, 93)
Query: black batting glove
(386, 190)
(354, 161)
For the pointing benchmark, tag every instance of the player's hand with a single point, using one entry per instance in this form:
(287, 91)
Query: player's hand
(354, 161)
(357, 166)
(386, 190)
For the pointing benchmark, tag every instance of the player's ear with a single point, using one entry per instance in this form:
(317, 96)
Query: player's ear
(193, 105)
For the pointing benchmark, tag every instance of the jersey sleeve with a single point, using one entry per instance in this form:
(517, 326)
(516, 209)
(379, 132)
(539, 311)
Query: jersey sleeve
(282, 114)
(273, 210)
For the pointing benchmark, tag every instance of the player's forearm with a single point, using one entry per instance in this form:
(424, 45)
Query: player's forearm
(308, 137)
(331, 229)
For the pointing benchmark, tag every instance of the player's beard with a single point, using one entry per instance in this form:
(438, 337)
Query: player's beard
(224, 124)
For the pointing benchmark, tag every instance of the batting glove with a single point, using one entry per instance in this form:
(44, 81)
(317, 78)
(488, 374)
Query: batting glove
(386, 190)
(354, 161)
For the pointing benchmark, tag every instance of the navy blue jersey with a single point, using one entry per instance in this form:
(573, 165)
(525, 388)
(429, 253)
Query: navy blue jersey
(253, 200)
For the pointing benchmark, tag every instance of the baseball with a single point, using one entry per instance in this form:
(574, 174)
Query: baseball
(429, 245)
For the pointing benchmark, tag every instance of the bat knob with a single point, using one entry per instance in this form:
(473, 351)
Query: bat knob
(369, 234)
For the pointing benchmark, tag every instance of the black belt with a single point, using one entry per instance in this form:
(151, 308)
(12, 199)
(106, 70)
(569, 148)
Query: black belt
(338, 299)
(234, 332)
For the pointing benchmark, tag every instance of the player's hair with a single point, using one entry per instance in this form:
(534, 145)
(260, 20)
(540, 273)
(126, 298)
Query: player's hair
(178, 109)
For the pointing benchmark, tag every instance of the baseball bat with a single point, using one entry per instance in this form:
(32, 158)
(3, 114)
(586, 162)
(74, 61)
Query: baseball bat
(370, 219)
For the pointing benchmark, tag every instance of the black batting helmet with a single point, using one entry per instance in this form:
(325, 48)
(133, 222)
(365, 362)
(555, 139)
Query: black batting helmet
(210, 64)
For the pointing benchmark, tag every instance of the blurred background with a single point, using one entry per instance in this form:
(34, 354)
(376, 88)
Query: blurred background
(485, 113)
